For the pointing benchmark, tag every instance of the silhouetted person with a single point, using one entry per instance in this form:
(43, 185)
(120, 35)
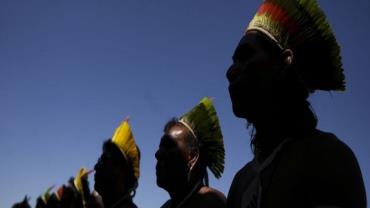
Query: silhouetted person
(22, 204)
(75, 194)
(49, 200)
(70, 198)
(187, 148)
(117, 170)
(288, 52)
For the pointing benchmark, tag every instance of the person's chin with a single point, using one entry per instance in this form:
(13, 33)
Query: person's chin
(161, 183)
(239, 110)
(249, 116)
(158, 180)
(97, 186)
(237, 113)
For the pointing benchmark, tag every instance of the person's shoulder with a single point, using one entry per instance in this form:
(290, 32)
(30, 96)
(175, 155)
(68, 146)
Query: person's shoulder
(241, 180)
(246, 169)
(243, 177)
(322, 143)
(166, 204)
(133, 205)
(328, 162)
(212, 197)
(212, 193)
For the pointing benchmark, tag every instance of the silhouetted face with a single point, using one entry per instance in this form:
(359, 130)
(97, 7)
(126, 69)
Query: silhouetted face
(253, 74)
(172, 158)
(70, 198)
(23, 204)
(110, 173)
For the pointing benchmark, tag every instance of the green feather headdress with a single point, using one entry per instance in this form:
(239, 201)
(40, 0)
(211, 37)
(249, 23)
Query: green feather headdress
(46, 195)
(302, 26)
(203, 122)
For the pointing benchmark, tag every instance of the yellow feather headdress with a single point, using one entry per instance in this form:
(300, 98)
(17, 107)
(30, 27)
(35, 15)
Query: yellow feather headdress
(125, 141)
(82, 173)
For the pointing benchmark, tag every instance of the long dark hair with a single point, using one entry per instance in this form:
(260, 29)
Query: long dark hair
(292, 111)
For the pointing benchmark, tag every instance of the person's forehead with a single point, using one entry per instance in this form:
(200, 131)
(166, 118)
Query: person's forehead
(106, 155)
(258, 43)
(111, 153)
(177, 132)
(176, 136)
(250, 38)
(256, 38)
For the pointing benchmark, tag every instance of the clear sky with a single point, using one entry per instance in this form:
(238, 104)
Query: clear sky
(70, 71)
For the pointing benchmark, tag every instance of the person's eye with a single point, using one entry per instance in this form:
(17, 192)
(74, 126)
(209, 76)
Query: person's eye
(242, 54)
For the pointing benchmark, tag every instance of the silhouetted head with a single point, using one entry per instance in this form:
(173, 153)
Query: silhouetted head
(51, 200)
(178, 158)
(22, 204)
(114, 175)
(267, 90)
(262, 76)
(70, 198)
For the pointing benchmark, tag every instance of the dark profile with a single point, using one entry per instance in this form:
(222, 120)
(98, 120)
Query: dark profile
(22, 204)
(190, 145)
(74, 194)
(49, 199)
(117, 170)
(288, 52)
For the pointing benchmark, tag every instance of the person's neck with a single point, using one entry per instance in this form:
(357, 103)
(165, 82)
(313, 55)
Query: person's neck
(287, 120)
(115, 199)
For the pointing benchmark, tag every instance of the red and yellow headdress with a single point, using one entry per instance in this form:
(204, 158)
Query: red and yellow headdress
(301, 25)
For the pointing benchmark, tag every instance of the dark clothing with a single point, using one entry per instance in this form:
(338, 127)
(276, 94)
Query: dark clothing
(130, 205)
(315, 170)
(125, 204)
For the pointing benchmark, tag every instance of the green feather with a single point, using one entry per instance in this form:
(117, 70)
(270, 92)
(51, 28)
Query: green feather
(205, 124)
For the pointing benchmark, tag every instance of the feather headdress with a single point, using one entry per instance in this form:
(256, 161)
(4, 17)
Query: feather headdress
(47, 198)
(302, 26)
(125, 141)
(78, 184)
(46, 195)
(203, 122)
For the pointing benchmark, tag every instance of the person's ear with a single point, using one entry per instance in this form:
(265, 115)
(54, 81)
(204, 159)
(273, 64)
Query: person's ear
(288, 57)
(193, 160)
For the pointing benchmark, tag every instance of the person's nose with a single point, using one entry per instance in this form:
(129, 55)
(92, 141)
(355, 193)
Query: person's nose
(97, 165)
(233, 72)
(157, 155)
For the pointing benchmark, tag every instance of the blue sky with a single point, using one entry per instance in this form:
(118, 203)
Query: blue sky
(70, 71)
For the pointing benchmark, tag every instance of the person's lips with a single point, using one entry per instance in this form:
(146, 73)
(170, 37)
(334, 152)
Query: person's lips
(158, 168)
(96, 178)
(234, 94)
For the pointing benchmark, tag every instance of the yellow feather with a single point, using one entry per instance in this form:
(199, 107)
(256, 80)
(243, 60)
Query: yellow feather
(125, 141)
(78, 183)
